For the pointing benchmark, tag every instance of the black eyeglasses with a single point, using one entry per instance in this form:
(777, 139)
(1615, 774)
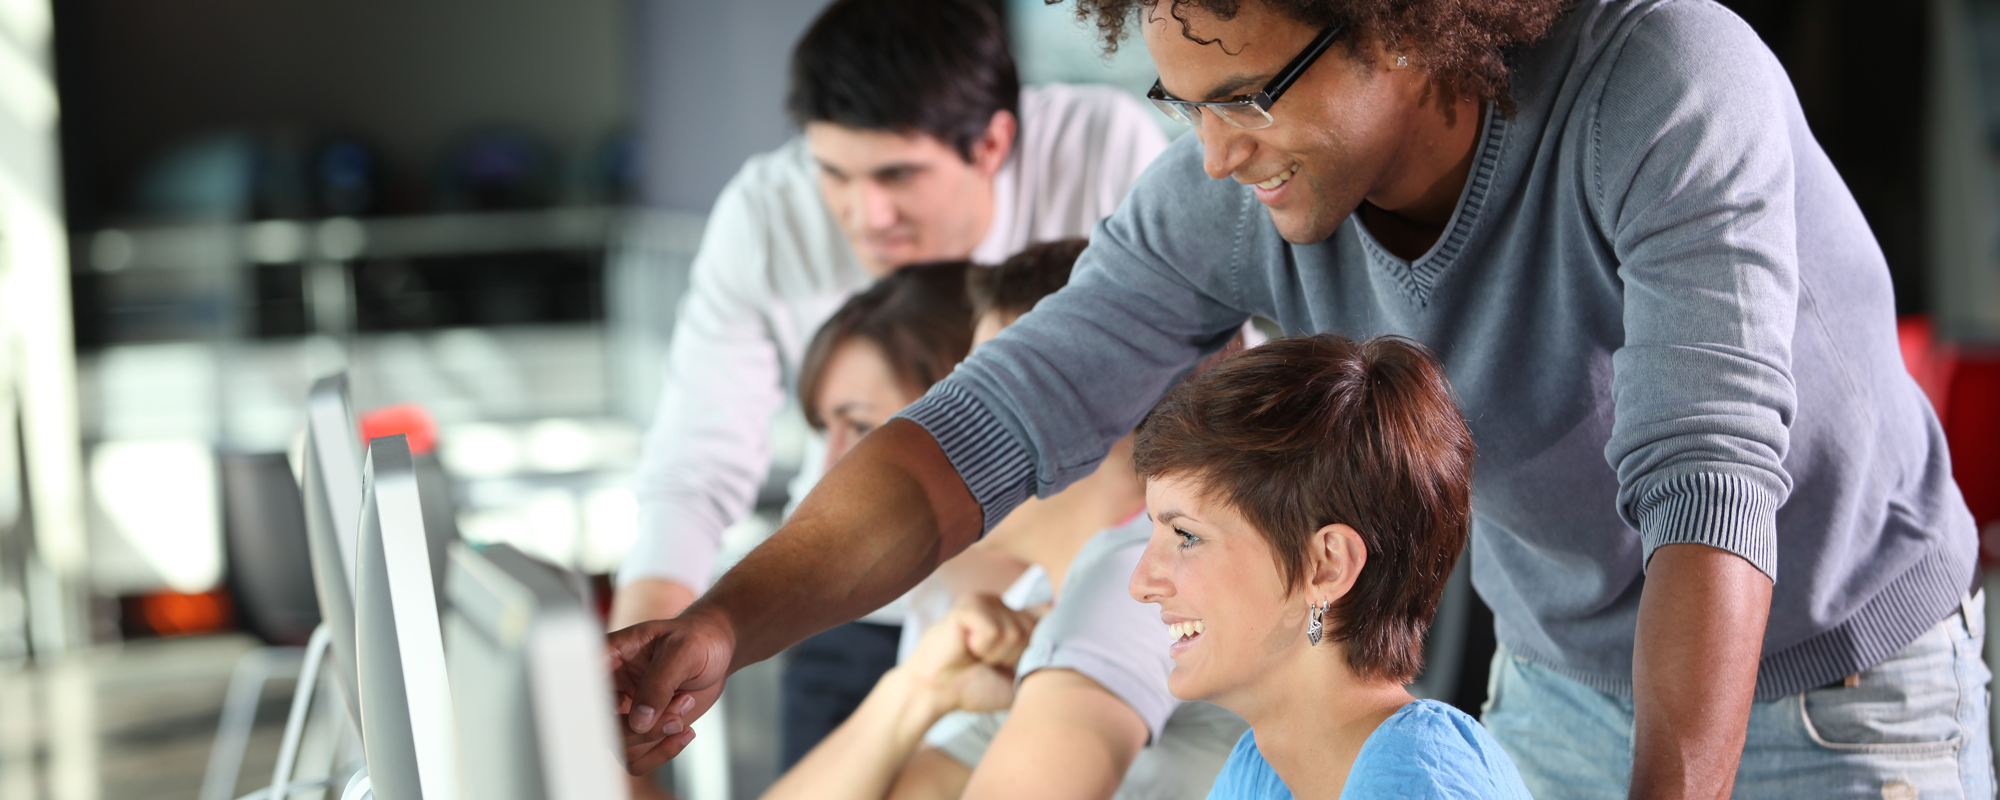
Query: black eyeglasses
(1250, 111)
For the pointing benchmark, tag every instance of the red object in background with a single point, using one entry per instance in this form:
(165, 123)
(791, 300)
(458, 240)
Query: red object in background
(408, 419)
(1964, 387)
(1928, 361)
(1973, 429)
(176, 614)
(600, 597)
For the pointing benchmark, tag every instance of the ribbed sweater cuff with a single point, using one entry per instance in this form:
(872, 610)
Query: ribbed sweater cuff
(1728, 512)
(994, 465)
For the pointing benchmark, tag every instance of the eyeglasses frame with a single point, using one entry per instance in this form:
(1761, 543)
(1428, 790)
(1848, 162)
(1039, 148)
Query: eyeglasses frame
(1261, 100)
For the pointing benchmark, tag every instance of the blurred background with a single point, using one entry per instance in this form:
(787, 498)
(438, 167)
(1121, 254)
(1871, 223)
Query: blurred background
(483, 211)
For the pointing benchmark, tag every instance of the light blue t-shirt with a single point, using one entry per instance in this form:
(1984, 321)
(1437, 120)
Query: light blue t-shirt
(1425, 750)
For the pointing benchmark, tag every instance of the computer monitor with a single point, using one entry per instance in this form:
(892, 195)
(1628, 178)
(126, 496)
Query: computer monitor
(330, 481)
(406, 704)
(526, 657)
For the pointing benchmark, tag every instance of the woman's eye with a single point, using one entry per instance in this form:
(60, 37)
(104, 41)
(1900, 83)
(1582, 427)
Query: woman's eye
(862, 429)
(1187, 539)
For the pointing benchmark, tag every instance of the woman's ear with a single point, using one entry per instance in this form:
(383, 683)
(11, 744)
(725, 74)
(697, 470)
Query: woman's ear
(1335, 555)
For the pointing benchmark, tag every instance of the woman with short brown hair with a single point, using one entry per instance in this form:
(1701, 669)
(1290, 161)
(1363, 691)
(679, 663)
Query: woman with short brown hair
(1309, 498)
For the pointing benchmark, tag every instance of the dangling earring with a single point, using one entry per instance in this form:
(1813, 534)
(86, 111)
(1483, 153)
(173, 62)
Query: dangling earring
(1316, 627)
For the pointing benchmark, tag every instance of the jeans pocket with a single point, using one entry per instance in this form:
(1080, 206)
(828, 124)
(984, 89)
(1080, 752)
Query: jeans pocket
(1906, 706)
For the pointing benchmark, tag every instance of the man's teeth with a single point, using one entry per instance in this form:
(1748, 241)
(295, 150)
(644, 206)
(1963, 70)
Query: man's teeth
(1279, 179)
(1182, 630)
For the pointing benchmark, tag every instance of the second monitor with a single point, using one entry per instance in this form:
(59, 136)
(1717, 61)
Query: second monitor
(527, 665)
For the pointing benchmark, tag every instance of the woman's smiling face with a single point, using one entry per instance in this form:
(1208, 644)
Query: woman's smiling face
(1218, 587)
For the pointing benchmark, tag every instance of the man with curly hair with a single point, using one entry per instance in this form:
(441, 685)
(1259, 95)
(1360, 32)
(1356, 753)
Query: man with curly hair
(1713, 514)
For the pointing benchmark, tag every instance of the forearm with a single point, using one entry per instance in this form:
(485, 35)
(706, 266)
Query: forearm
(1066, 738)
(883, 518)
(648, 598)
(930, 774)
(862, 757)
(1694, 673)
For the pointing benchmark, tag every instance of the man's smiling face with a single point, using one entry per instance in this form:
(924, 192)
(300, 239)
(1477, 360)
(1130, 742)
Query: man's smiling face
(906, 198)
(1339, 131)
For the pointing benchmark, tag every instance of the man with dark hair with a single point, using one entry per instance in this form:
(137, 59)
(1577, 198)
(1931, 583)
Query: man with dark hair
(1713, 514)
(919, 144)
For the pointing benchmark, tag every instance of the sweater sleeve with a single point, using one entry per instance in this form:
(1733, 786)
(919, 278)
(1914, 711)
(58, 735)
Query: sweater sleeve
(1039, 406)
(708, 448)
(1693, 172)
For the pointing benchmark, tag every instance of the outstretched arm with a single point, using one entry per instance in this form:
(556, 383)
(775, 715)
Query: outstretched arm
(883, 518)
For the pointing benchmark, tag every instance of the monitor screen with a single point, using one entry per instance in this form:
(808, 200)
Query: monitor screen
(406, 703)
(526, 657)
(330, 482)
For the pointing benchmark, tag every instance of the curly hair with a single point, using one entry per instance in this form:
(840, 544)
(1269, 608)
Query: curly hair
(1462, 43)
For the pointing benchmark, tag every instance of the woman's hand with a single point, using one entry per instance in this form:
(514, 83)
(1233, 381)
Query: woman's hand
(966, 661)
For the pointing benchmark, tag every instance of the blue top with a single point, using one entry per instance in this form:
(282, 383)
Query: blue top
(1426, 749)
(1662, 314)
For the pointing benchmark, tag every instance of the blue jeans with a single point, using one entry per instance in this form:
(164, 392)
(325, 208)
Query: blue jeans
(826, 677)
(1914, 726)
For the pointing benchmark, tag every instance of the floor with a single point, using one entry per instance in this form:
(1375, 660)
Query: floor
(131, 722)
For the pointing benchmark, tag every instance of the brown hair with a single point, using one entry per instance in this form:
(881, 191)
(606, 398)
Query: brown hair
(1305, 432)
(918, 316)
(1461, 43)
(1023, 279)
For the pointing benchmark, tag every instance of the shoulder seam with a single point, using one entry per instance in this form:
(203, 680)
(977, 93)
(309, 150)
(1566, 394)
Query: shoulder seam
(1597, 120)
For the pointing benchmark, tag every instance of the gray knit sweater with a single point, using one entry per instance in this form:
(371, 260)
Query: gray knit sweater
(1663, 315)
